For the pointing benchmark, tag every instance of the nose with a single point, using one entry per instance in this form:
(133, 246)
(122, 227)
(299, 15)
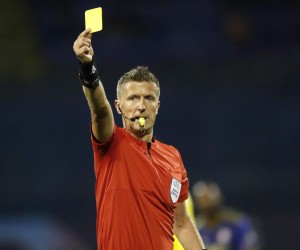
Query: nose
(141, 107)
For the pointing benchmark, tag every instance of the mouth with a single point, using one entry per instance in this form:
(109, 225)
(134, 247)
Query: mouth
(140, 117)
(142, 121)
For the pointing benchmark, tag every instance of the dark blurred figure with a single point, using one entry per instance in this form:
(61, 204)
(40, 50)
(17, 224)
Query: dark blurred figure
(222, 228)
(37, 232)
(11, 246)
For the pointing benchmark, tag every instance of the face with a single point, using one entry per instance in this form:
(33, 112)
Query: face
(138, 100)
(208, 199)
(208, 203)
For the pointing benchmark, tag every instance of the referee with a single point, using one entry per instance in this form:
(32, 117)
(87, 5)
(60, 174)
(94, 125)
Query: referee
(141, 183)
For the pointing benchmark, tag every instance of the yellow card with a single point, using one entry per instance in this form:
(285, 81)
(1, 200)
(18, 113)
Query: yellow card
(93, 19)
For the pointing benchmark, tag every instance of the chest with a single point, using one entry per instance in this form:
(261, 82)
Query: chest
(141, 167)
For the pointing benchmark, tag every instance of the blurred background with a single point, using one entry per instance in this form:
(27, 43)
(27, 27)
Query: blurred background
(230, 84)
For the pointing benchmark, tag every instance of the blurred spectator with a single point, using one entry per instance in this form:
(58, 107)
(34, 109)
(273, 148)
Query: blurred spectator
(11, 246)
(36, 233)
(21, 49)
(222, 228)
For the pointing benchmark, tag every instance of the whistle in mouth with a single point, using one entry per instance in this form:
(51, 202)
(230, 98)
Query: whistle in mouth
(142, 121)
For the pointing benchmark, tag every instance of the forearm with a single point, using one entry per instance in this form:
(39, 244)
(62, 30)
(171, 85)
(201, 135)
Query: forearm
(188, 235)
(101, 112)
(97, 101)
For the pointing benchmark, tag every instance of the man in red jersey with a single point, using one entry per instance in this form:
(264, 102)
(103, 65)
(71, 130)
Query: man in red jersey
(141, 183)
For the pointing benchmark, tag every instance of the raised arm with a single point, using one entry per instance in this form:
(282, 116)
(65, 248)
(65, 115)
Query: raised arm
(101, 112)
(185, 230)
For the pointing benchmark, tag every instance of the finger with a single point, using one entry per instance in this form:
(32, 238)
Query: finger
(83, 47)
(80, 42)
(85, 33)
(87, 44)
(84, 50)
(89, 35)
(84, 40)
(84, 43)
(87, 40)
(79, 46)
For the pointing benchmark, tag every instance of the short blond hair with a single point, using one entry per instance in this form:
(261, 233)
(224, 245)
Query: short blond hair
(138, 74)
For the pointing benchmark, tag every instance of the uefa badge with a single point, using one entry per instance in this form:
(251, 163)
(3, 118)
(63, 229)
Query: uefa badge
(175, 190)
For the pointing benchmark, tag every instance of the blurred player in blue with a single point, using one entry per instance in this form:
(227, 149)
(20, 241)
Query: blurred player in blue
(222, 228)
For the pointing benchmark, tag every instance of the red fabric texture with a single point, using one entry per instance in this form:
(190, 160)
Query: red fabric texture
(133, 192)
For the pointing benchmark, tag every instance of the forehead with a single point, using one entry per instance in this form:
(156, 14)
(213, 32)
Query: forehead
(139, 88)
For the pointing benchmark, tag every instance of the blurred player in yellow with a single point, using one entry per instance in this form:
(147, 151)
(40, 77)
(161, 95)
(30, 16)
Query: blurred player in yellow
(190, 210)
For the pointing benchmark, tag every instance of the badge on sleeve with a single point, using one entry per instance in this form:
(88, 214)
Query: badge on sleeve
(175, 190)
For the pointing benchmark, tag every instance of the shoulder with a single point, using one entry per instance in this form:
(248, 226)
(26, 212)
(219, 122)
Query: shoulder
(167, 147)
(103, 146)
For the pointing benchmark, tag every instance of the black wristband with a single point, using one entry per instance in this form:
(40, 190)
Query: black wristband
(88, 74)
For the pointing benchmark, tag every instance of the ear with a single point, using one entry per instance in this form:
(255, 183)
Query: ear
(117, 106)
(157, 108)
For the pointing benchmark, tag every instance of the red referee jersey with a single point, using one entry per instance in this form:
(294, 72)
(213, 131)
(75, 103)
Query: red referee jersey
(138, 185)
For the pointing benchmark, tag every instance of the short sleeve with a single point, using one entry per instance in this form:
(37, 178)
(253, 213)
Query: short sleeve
(102, 147)
(184, 194)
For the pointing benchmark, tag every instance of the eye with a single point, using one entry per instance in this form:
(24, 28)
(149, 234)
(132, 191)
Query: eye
(150, 98)
(133, 98)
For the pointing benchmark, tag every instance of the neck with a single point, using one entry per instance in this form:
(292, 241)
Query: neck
(146, 137)
(142, 135)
